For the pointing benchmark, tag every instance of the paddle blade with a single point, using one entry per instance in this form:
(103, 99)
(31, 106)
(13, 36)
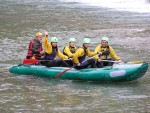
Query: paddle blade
(59, 74)
(136, 62)
(30, 61)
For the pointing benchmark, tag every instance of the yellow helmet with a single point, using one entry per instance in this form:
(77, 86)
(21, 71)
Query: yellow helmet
(38, 34)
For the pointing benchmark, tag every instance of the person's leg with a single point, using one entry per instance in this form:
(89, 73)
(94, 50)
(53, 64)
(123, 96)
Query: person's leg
(85, 64)
(92, 63)
(110, 63)
(105, 63)
(70, 62)
(62, 63)
(51, 63)
(99, 64)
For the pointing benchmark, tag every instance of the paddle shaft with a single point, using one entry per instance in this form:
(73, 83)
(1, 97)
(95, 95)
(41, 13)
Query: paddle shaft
(132, 62)
(59, 74)
(110, 61)
(34, 61)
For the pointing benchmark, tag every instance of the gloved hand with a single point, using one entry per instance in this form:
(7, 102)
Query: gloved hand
(105, 52)
(46, 33)
(99, 54)
(78, 64)
(99, 60)
(70, 58)
(42, 52)
(120, 61)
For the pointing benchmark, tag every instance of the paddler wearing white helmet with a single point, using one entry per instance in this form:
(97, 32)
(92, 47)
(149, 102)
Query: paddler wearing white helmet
(106, 52)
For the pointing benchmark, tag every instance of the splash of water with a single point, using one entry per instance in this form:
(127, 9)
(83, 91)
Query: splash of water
(141, 6)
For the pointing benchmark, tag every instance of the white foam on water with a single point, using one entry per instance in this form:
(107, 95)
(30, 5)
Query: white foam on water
(134, 97)
(140, 6)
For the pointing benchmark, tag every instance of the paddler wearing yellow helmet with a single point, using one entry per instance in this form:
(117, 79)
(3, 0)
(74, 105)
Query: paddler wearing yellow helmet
(35, 50)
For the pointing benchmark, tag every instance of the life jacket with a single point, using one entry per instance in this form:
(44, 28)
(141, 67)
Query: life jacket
(30, 49)
(104, 49)
(82, 58)
(52, 55)
(72, 50)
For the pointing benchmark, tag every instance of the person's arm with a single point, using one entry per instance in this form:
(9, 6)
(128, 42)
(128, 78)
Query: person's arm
(90, 54)
(35, 49)
(79, 52)
(98, 51)
(62, 56)
(47, 45)
(68, 52)
(113, 54)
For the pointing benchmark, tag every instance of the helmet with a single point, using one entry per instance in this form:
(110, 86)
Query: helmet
(105, 38)
(86, 40)
(53, 39)
(38, 34)
(72, 39)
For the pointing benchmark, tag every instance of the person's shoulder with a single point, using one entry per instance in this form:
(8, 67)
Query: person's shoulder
(33, 40)
(80, 49)
(98, 46)
(109, 46)
(75, 47)
(66, 47)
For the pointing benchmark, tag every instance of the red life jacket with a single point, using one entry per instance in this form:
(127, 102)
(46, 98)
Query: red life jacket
(30, 49)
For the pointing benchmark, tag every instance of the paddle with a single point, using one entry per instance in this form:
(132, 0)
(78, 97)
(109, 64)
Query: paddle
(59, 74)
(30, 61)
(34, 61)
(132, 62)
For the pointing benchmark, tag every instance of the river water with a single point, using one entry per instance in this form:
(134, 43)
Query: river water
(129, 34)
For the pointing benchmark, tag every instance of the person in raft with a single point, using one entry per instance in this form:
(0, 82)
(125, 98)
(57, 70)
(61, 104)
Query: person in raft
(106, 52)
(70, 49)
(51, 51)
(35, 50)
(81, 53)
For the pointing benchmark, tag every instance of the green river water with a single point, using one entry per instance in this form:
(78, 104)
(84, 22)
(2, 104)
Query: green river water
(129, 35)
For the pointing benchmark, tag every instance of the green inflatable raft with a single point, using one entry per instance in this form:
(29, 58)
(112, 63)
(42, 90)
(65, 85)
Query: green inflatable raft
(116, 73)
